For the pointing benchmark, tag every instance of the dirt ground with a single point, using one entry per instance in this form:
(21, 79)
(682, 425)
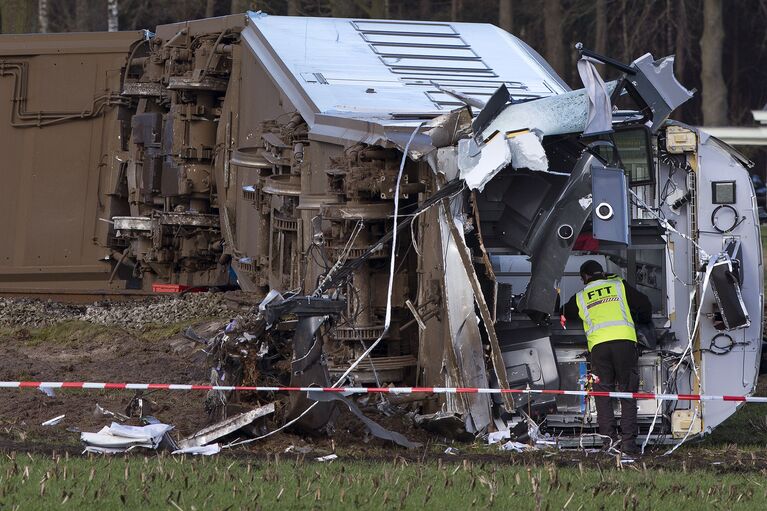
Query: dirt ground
(115, 355)
(80, 353)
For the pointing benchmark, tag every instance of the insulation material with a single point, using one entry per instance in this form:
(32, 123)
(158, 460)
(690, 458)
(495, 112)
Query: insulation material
(527, 152)
(478, 165)
(477, 169)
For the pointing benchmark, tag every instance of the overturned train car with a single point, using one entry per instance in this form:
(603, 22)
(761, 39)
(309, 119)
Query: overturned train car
(422, 193)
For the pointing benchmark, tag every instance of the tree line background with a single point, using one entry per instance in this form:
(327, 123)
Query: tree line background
(721, 45)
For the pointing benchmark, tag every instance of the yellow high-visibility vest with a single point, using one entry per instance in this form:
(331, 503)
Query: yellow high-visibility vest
(603, 307)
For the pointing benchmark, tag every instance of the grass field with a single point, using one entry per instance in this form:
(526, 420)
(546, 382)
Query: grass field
(132, 482)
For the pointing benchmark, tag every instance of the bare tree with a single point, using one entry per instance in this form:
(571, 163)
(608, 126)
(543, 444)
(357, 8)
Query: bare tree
(552, 27)
(424, 9)
(42, 16)
(82, 18)
(17, 16)
(238, 6)
(210, 8)
(600, 39)
(680, 42)
(714, 94)
(113, 11)
(379, 9)
(342, 9)
(506, 15)
(294, 7)
(456, 7)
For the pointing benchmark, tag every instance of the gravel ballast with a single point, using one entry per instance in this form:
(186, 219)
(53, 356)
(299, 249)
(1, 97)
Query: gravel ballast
(34, 313)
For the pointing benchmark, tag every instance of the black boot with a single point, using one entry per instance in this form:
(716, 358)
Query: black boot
(630, 448)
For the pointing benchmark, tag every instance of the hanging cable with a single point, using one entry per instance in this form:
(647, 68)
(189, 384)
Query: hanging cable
(392, 261)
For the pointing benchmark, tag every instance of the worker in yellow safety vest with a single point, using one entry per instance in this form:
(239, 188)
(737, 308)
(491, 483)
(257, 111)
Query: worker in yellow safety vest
(608, 307)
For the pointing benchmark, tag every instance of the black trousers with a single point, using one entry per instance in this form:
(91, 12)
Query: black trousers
(616, 363)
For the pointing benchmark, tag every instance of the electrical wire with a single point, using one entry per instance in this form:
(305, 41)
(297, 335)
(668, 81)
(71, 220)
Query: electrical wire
(387, 320)
(690, 333)
(392, 261)
(715, 349)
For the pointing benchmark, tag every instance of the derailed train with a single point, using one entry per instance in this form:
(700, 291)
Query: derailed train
(420, 192)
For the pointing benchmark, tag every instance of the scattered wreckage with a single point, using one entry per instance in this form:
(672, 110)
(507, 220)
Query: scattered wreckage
(411, 199)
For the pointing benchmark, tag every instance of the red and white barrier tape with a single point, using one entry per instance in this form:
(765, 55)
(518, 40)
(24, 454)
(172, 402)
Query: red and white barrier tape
(373, 390)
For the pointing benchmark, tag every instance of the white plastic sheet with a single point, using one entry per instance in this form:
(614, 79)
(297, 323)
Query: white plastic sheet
(119, 438)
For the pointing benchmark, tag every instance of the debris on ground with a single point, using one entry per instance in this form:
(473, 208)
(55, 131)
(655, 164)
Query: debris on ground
(117, 438)
(515, 446)
(299, 450)
(200, 450)
(54, 421)
(47, 391)
(103, 412)
(225, 427)
(498, 436)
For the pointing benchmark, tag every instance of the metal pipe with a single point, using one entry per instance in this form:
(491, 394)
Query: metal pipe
(184, 31)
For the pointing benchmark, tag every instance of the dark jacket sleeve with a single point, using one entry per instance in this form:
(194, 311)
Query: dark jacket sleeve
(570, 310)
(639, 304)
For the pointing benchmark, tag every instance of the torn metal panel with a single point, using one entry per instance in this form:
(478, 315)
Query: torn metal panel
(101, 411)
(655, 82)
(462, 321)
(497, 102)
(448, 128)
(225, 427)
(470, 101)
(376, 429)
(384, 93)
(434, 341)
(521, 199)
(444, 424)
(726, 288)
(553, 237)
(309, 368)
(487, 321)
